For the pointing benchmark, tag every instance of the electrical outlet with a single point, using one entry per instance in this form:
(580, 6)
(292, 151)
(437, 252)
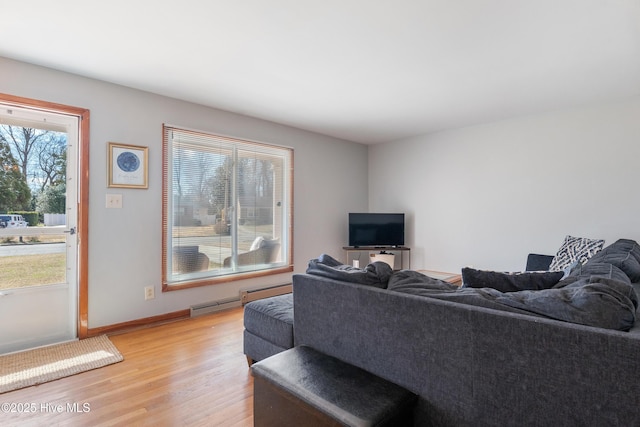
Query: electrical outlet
(149, 293)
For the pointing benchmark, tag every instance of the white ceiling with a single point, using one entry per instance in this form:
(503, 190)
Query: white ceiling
(363, 70)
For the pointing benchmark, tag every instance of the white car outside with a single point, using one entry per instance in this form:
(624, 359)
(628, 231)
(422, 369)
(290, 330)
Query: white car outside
(12, 221)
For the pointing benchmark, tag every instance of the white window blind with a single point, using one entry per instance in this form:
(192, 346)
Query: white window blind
(227, 208)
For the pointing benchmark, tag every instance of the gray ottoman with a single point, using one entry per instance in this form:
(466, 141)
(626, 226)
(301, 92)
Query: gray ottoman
(268, 327)
(303, 387)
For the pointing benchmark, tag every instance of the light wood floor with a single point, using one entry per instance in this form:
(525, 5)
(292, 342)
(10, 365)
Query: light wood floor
(187, 373)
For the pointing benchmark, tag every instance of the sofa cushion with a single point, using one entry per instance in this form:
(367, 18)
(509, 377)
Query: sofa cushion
(271, 319)
(594, 268)
(257, 243)
(593, 301)
(510, 282)
(575, 249)
(375, 274)
(624, 254)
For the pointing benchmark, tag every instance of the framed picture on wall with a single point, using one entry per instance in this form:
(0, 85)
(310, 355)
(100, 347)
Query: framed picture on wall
(128, 166)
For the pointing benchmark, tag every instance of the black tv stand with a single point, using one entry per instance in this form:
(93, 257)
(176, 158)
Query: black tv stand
(402, 249)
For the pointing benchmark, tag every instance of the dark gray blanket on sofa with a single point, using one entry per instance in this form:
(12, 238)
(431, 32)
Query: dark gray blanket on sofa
(376, 274)
(592, 301)
(601, 297)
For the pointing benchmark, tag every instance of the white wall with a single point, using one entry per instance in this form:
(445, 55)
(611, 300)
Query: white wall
(488, 195)
(125, 244)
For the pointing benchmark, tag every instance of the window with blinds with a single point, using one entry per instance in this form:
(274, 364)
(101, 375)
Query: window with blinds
(227, 208)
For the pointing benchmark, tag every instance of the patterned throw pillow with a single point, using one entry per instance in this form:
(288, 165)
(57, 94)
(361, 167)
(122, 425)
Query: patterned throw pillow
(575, 249)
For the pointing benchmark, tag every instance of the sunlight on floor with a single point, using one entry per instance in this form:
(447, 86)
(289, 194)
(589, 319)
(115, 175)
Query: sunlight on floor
(59, 365)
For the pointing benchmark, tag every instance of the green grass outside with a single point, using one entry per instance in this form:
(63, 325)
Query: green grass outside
(30, 270)
(46, 269)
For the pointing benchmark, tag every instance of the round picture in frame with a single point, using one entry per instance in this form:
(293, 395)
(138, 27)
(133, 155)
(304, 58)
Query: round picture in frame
(128, 161)
(127, 165)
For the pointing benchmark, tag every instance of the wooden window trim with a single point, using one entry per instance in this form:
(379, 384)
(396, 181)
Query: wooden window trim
(287, 268)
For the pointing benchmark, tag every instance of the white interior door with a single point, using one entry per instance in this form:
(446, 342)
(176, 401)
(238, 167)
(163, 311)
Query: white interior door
(39, 263)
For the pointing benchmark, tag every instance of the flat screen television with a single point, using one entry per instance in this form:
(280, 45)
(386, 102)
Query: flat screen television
(376, 229)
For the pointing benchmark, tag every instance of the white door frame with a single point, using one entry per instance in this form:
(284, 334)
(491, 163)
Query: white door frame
(81, 207)
(43, 314)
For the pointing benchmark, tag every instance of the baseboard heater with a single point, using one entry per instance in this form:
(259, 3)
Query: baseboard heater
(213, 306)
(248, 295)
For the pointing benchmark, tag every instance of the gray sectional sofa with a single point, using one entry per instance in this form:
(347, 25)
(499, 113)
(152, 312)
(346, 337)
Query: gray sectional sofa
(477, 364)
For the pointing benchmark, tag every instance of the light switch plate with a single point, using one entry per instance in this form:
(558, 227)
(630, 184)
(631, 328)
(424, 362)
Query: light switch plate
(114, 201)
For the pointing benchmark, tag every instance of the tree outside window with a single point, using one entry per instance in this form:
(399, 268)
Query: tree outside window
(33, 173)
